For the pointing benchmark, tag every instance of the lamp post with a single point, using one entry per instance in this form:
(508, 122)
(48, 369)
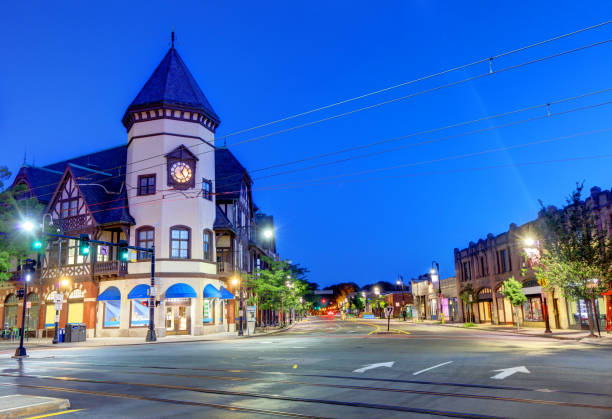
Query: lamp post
(400, 281)
(532, 251)
(435, 276)
(237, 283)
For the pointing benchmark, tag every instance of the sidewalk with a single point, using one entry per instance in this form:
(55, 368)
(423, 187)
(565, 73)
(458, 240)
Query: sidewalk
(10, 346)
(561, 334)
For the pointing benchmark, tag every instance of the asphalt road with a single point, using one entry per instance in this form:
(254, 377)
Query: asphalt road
(310, 371)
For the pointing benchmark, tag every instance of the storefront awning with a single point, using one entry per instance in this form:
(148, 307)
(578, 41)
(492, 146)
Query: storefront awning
(180, 291)
(225, 294)
(211, 292)
(139, 291)
(110, 294)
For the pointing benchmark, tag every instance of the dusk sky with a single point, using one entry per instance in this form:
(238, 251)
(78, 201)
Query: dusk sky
(68, 74)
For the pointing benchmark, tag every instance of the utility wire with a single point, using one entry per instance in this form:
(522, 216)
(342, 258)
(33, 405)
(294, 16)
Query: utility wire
(547, 115)
(371, 106)
(423, 78)
(387, 168)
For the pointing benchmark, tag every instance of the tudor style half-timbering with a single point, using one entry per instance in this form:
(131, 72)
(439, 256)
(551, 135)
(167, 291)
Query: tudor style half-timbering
(167, 187)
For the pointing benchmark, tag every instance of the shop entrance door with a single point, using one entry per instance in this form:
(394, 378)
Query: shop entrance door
(484, 311)
(178, 319)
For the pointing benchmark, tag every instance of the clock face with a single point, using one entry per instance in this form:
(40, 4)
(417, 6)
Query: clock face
(181, 172)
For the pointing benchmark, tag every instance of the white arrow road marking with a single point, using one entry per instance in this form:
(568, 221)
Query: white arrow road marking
(507, 372)
(372, 366)
(431, 368)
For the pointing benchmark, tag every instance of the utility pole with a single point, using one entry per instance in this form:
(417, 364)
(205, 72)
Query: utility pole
(27, 269)
(151, 336)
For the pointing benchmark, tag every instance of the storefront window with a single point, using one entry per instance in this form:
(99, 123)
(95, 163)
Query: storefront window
(140, 313)
(75, 307)
(532, 309)
(208, 308)
(111, 313)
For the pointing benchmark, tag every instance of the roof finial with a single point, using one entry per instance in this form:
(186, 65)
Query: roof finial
(172, 38)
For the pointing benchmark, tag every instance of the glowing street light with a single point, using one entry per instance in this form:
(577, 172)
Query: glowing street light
(376, 290)
(27, 225)
(268, 233)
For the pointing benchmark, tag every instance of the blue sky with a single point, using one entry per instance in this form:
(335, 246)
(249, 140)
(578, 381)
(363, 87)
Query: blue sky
(68, 73)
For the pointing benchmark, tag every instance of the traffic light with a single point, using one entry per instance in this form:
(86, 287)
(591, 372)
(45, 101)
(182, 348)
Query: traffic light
(29, 267)
(323, 300)
(124, 253)
(37, 245)
(84, 245)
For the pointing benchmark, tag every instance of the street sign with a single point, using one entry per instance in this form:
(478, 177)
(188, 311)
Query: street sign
(58, 298)
(28, 304)
(152, 291)
(388, 311)
(103, 250)
(58, 306)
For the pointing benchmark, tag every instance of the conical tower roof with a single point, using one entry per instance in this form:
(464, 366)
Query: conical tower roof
(171, 84)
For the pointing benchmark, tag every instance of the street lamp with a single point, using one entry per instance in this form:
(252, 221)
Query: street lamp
(268, 233)
(435, 276)
(533, 255)
(238, 285)
(400, 281)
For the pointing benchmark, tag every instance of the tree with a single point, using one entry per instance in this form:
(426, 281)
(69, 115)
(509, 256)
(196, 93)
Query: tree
(513, 291)
(277, 288)
(16, 204)
(576, 252)
(357, 303)
(468, 295)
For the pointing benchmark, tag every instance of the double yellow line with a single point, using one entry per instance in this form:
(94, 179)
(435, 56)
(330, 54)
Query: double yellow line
(377, 328)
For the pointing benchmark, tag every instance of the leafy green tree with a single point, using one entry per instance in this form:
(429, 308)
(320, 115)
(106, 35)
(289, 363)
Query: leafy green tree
(513, 291)
(576, 252)
(357, 303)
(277, 287)
(16, 205)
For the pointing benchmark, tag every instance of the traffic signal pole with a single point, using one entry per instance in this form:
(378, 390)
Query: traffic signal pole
(27, 269)
(151, 337)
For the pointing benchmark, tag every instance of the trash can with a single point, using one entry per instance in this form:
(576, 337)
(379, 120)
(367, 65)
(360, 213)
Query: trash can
(82, 328)
(61, 335)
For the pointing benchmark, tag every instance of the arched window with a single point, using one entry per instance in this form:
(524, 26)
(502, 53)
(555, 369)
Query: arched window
(180, 242)
(207, 245)
(145, 237)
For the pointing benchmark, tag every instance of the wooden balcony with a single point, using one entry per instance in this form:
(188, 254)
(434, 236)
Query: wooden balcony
(225, 268)
(82, 271)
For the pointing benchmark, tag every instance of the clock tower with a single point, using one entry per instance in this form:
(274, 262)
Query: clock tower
(171, 144)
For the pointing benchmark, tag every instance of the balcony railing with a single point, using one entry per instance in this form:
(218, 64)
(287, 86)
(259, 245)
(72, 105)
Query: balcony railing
(225, 268)
(83, 270)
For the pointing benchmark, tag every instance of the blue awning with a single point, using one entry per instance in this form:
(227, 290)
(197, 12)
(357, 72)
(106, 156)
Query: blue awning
(110, 294)
(211, 292)
(139, 291)
(180, 291)
(225, 294)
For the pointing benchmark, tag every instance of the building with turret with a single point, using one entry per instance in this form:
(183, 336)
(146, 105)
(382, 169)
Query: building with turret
(169, 187)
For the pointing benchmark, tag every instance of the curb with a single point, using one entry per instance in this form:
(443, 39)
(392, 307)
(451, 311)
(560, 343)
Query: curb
(227, 338)
(33, 405)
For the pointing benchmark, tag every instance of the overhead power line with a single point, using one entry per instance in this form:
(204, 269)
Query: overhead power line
(406, 83)
(396, 99)
(546, 105)
(386, 168)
